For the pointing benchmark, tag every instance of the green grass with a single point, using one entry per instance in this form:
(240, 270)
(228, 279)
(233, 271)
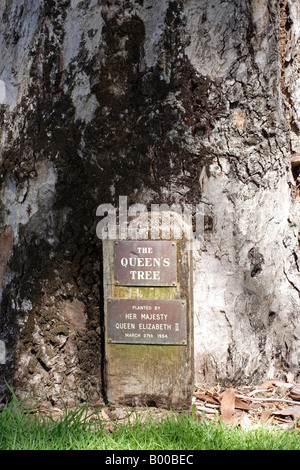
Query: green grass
(20, 429)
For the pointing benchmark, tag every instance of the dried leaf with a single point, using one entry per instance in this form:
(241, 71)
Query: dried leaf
(228, 405)
(241, 405)
(105, 415)
(118, 413)
(245, 422)
(207, 398)
(295, 392)
(270, 384)
(266, 416)
(290, 411)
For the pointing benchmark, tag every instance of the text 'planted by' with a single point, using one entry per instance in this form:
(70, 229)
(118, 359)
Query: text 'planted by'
(166, 327)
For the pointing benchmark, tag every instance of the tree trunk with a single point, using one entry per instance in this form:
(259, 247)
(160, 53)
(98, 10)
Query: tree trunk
(161, 101)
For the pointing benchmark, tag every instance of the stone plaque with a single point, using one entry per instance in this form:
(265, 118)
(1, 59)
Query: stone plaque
(146, 321)
(145, 263)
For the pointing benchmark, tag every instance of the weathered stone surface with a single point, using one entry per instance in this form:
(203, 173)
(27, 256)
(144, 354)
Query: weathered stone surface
(161, 101)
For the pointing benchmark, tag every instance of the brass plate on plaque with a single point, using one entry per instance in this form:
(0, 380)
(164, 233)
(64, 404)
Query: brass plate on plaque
(145, 263)
(146, 321)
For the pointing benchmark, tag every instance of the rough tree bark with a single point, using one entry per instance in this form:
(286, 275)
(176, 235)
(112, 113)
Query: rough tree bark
(162, 101)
